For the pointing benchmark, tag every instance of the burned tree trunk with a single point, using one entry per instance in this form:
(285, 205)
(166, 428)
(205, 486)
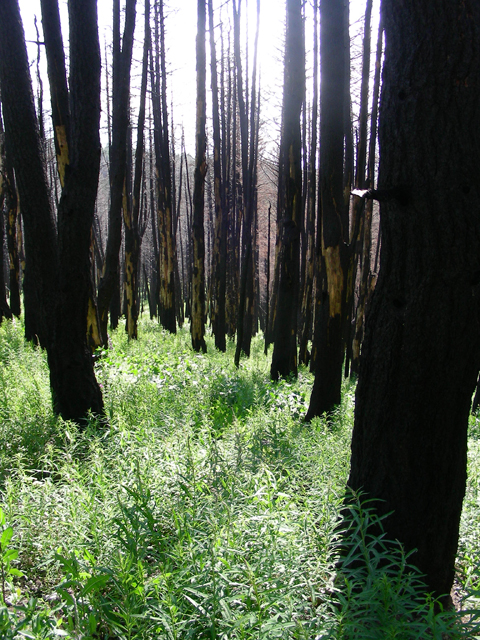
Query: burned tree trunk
(108, 289)
(59, 265)
(329, 330)
(198, 236)
(284, 358)
(421, 353)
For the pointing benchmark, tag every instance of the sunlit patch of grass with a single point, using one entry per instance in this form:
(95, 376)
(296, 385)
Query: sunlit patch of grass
(205, 508)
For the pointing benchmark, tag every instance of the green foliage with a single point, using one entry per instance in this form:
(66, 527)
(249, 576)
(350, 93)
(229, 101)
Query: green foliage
(205, 508)
(380, 594)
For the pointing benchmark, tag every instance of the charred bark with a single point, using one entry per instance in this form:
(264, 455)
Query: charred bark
(59, 267)
(329, 330)
(421, 353)
(284, 358)
(122, 59)
(198, 235)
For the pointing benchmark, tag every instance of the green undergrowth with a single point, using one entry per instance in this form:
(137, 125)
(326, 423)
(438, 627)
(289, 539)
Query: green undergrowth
(203, 508)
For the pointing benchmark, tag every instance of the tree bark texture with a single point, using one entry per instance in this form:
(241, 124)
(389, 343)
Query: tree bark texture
(198, 235)
(133, 235)
(284, 357)
(8, 198)
(307, 302)
(219, 259)
(329, 337)
(58, 266)
(167, 252)
(122, 59)
(421, 353)
(365, 274)
(57, 77)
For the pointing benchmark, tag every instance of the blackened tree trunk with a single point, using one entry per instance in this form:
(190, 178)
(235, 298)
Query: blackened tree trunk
(133, 236)
(59, 265)
(57, 77)
(219, 259)
(360, 233)
(167, 253)
(421, 354)
(365, 273)
(4, 308)
(198, 235)
(284, 358)
(307, 302)
(11, 204)
(329, 338)
(122, 59)
(248, 161)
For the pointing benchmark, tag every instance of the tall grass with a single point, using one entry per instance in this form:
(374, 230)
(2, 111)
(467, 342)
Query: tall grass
(205, 508)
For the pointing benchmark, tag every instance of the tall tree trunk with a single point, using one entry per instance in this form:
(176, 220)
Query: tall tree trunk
(219, 251)
(122, 59)
(421, 353)
(57, 76)
(60, 269)
(284, 358)
(198, 236)
(365, 275)
(5, 310)
(10, 191)
(329, 337)
(245, 307)
(359, 211)
(307, 302)
(167, 252)
(133, 237)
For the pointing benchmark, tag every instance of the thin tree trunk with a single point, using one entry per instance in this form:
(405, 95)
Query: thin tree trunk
(284, 357)
(359, 212)
(219, 251)
(198, 237)
(365, 272)
(245, 308)
(108, 289)
(133, 238)
(9, 189)
(307, 302)
(329, 330)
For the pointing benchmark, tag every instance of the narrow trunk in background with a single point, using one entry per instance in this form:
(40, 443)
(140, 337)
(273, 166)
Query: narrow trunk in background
(366, 280)
(10, 191)
(245, 307)
(359, 232)
(307, 302)
(133, 237)
(198, 239)
(329, 329)
(165, 210)
(219, 251)
(108, 290)
(284, 358)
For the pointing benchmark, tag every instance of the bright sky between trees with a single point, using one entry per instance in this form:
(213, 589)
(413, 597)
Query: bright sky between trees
(181, 28)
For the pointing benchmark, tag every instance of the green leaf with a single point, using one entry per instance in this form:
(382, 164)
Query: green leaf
(92, 623)
(6, 536)
(94, 584)
(10, 554)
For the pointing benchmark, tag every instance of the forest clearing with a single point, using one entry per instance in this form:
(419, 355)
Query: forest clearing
(205, 508)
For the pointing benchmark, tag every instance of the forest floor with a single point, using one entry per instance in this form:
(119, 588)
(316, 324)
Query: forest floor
(204, 507)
